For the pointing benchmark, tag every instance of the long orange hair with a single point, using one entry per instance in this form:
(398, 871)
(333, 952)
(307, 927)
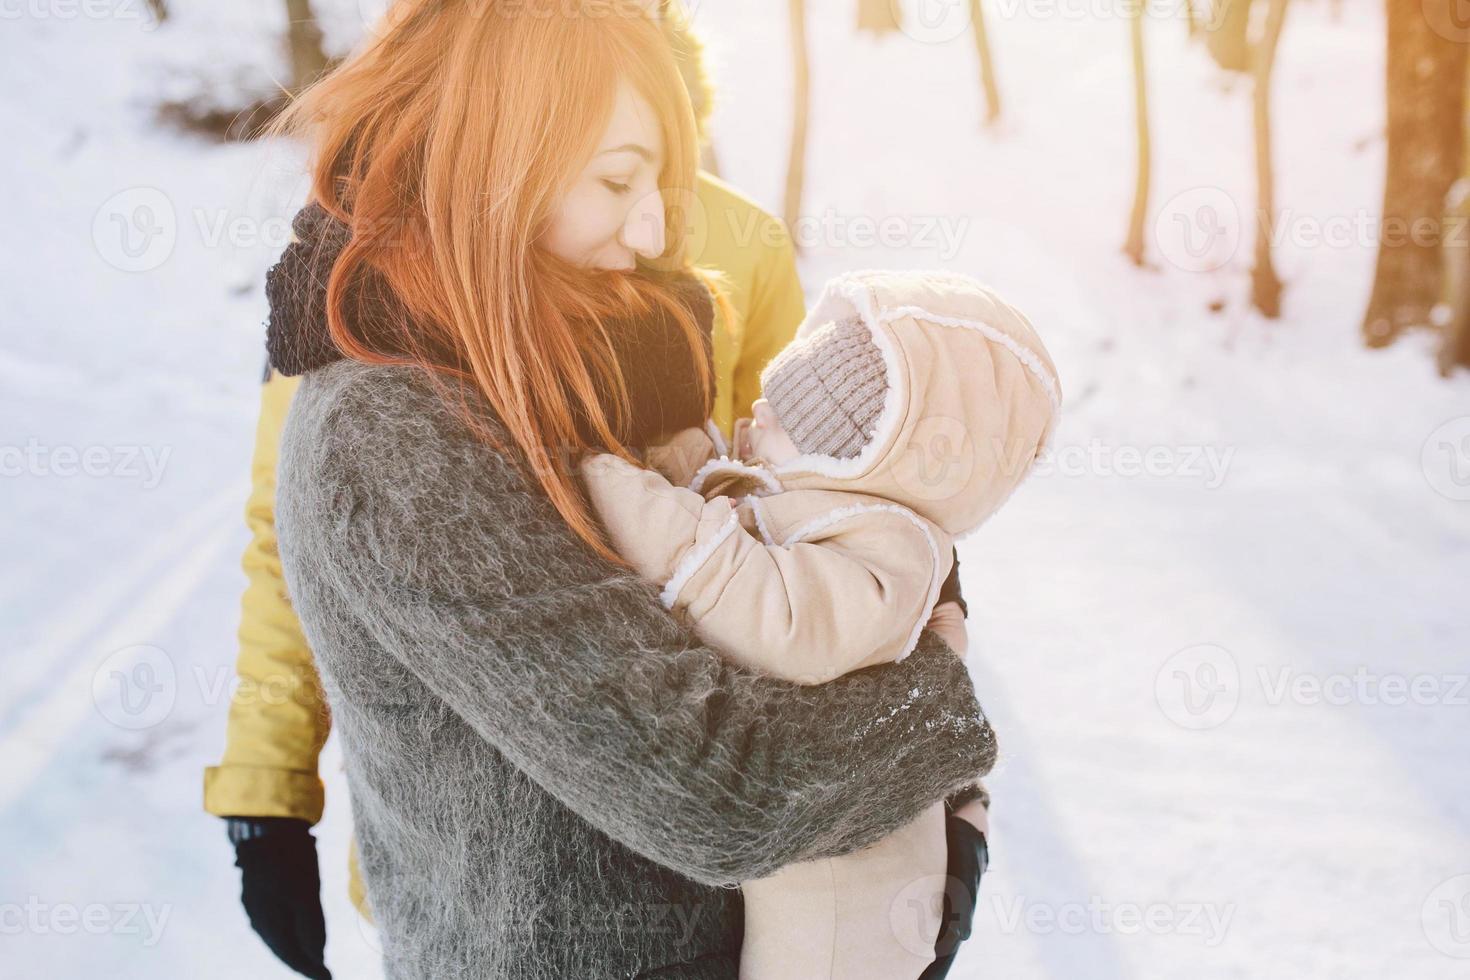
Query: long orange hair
(445, 144)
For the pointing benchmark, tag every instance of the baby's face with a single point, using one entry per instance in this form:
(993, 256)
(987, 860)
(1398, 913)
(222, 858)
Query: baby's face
(766, 437)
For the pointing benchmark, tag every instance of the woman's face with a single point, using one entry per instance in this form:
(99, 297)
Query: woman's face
(613, 211)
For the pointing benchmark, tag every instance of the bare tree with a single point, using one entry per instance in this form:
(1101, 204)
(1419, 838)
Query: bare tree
(1265, 284)
(879, 16)
(987, 66)
(1455, 350)
(304, 44)
(800, 87)
(1426, 101)
(1227, 34)
(202, 113)
(1133, 247)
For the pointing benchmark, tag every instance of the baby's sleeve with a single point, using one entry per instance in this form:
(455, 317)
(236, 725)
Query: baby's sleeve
(651, 523)
(847, 589)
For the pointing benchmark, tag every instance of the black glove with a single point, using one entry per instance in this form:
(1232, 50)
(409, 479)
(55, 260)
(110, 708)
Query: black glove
(280, 886)
(969, 857)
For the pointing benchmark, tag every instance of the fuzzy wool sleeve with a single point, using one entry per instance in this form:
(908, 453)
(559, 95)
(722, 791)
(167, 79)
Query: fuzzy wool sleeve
(462, 570)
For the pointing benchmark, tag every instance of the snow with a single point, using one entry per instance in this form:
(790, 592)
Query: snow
(1230, 685)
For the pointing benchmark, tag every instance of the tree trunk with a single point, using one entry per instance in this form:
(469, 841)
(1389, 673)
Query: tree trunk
(1426, 101)
(1455, 350)
(304, 42)
(1227, 34)
(800, 86)
(987, 64)
(1265, 285)
(1134, 246)
(879, 16)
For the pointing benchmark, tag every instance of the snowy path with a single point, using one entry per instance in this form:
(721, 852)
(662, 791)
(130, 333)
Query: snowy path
(1215, 760)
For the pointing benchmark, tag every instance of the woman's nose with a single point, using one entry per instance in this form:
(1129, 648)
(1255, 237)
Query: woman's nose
(643, 232)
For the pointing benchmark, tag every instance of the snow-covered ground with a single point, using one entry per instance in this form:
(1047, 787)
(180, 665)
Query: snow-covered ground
(1222, 635)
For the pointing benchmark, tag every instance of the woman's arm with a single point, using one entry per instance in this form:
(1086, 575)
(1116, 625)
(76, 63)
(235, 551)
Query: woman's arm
(567, 664)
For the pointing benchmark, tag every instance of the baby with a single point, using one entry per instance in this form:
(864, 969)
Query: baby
(905, 412)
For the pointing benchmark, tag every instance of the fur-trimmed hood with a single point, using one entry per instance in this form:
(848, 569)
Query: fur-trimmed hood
(972, 397)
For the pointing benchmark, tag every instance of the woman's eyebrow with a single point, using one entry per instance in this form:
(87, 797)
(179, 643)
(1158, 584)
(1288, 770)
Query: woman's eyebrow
(637, 148)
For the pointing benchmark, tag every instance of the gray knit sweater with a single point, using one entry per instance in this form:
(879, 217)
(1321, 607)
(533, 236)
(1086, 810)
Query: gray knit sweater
(550, 776)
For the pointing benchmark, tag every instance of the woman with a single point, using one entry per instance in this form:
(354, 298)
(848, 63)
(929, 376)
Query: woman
(550, 777)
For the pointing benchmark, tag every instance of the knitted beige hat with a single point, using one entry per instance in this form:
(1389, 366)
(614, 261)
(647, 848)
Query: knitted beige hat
(827, 389)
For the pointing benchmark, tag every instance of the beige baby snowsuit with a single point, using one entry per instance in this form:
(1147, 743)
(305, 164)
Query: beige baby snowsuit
(823, 565)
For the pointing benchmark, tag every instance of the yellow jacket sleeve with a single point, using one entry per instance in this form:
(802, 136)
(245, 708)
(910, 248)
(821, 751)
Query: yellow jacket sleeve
(753, 252)
(776, 310)
(278, 716)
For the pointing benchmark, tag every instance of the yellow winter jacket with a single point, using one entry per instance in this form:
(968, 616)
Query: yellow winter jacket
(278, 718)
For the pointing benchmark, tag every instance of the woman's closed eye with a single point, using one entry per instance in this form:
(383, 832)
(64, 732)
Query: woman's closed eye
(616, 186)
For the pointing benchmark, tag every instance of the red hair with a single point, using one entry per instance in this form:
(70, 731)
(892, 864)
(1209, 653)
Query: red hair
(446, 144)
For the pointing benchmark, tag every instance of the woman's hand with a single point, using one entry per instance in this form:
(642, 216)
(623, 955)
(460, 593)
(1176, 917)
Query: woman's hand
(948, 620)
(969, 858)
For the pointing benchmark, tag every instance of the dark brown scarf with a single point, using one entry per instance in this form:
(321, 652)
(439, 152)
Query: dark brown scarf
(663, 391)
